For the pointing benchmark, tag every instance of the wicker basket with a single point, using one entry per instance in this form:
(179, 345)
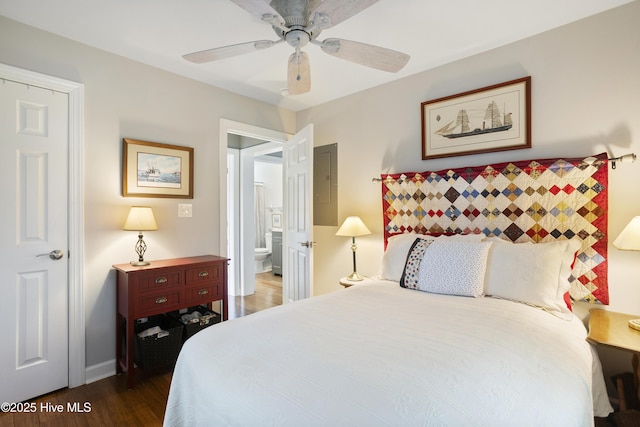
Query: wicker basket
(152, 352)
(208, 318)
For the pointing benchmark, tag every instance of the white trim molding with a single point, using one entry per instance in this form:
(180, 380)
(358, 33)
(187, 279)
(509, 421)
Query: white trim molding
(101, 371)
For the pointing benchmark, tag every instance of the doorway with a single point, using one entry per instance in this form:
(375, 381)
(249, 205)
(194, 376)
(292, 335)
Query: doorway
(230, 232)
(254, 212)
(297, 219)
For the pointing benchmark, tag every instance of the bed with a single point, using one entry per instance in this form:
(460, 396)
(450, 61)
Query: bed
(462, 327)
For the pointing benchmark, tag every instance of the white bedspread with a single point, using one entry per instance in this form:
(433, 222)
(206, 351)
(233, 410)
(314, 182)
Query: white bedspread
(380, 355)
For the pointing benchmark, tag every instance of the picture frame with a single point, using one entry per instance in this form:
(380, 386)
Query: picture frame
(152, 169)
(486, 120)
(276, 220)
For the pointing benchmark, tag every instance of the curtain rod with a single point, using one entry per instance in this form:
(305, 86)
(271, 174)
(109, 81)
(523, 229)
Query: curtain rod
(631, 157)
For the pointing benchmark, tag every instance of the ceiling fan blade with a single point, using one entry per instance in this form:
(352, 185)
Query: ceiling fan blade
(340, 10)
(261, 9)
(368, 55)
(299, 73)
(228, 51)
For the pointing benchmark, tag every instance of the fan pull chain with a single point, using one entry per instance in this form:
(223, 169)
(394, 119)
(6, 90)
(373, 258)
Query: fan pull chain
(298, 78)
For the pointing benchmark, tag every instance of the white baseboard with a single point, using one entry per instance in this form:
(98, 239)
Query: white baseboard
(100, 371)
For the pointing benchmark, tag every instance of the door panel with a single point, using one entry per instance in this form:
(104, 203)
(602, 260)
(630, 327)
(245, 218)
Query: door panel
(34, 306)
(298, 158)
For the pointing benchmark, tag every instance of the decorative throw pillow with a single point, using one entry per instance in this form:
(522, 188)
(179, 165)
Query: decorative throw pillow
(398, 245)
(533, 273)
(454, 267)
(410, 275)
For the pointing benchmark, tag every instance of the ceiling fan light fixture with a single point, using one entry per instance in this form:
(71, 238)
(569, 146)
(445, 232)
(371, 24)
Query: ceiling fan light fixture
(298, 73)
(297, 38)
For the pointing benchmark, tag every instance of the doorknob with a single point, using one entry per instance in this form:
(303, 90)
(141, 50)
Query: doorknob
(55, 254)
(307, 244)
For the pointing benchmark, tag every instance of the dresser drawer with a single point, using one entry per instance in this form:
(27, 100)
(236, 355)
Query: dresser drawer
(206, 274)
(160, 280)
(159, 302)
(204, 293)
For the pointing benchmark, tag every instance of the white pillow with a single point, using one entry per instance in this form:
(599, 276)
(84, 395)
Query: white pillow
(395, 255)
(533, 273)
(398, 246)
(454, 267)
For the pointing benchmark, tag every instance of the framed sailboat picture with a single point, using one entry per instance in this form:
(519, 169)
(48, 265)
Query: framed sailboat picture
(152, 169)
(485, 120)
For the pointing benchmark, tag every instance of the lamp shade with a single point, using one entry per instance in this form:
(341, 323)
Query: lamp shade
(629, 239)
(140, 219)
(353, 227)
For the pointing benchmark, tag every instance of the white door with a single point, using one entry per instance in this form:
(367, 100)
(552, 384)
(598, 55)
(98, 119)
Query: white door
(298, 222)
(33, 241)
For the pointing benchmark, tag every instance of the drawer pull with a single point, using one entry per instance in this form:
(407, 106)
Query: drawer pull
(161, 280)
(203, 274)
(203, 291)
(161, 300)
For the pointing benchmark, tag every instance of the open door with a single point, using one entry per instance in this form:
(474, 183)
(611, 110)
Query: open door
(298, 216)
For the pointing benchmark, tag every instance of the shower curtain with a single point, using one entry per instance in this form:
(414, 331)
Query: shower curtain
(258, 194)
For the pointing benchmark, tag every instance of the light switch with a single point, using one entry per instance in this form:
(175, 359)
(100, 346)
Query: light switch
(185, 210)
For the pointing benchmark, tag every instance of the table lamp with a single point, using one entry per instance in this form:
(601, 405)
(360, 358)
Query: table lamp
(629, 240)
(353, 227)
(140, 219)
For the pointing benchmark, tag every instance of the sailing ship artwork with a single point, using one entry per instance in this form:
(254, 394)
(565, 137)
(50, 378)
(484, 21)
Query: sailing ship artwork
(485, 120)
(492, 122)
(159, 170)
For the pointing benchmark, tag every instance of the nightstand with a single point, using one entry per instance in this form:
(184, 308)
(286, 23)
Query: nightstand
(611, 329)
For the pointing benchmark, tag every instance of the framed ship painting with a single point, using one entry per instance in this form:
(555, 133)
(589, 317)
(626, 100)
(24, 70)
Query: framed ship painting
(151, 169)
(485, 120)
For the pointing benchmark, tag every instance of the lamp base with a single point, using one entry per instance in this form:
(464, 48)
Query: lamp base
(634, 324)
(354, 277)
(139, 263)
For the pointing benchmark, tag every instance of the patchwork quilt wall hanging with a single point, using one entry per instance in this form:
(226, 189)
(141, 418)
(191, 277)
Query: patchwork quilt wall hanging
(525, 201)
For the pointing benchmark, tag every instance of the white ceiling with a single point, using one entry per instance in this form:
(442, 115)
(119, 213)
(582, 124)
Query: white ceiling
(159, 32)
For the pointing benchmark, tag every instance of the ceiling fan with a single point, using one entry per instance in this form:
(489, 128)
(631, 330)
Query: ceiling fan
(299, 22)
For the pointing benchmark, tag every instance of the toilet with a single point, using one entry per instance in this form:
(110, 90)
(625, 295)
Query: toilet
(263, 256)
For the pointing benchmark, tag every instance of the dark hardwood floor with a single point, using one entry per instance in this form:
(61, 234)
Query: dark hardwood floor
(108, 402)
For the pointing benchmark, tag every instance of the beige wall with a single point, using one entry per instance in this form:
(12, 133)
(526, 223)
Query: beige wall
(124, 98)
